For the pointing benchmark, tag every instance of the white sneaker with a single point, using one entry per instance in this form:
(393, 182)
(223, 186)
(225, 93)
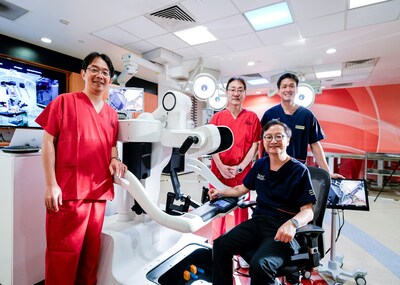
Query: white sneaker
(242, 262)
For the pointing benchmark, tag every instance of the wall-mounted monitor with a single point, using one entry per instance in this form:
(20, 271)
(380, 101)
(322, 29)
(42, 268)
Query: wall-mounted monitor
(348, 194)
(25, 90)
(126, 100)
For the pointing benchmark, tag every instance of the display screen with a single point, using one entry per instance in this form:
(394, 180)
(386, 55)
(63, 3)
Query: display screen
(350, 194)
(126, 98)
(26, 89)
(220, 203)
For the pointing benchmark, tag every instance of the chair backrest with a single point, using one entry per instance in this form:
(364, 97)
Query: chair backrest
(321, 181)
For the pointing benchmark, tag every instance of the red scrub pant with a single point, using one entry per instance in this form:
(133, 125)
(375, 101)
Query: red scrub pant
(73, 242)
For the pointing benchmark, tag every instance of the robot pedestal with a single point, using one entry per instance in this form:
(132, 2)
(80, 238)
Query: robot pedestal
(146, 253)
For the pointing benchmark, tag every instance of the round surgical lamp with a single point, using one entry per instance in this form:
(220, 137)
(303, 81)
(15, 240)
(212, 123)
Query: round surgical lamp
(305, 95)
(218, 101)
(204, 86)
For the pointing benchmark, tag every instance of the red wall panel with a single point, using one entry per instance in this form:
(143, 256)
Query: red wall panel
(355, 120)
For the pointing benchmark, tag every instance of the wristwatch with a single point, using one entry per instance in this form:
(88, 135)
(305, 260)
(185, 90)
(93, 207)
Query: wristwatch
(240, 169)
(295, 223)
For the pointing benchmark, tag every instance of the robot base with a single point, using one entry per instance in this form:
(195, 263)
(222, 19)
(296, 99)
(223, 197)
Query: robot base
(144, 252)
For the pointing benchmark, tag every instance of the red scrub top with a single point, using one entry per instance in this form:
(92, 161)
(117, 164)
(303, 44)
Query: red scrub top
(83, 146)
(246, 130)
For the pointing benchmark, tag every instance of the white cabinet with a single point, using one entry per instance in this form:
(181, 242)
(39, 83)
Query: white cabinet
(22, 219)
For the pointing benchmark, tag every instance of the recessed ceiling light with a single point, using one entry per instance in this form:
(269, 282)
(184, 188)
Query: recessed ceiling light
(257, 81)
(46, 40)
(331, 50)
(360, 3)
(327, 74)
(251, 63)
(269, 16)
(196, 35)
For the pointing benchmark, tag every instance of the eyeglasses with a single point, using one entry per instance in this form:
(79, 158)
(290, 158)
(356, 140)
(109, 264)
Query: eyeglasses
(277, 137)
(95, 70)
(238, 91)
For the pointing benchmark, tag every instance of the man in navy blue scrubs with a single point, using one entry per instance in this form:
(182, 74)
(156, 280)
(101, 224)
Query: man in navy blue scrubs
(305, 127)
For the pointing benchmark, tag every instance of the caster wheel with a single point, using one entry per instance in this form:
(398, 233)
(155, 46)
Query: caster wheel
(360, 280)
(306, 274)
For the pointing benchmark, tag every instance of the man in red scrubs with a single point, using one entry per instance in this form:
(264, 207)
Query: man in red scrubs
(79, 158)
(231, 166)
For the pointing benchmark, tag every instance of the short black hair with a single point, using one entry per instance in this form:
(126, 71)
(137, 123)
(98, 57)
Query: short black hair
(238, 79)
(92, 56)
(287, 75)
(274, 122)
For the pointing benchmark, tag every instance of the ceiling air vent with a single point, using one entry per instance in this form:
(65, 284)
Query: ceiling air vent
(341, 85)
(253, 75)
(11, 11)
(360, 63)
(173, 18)
(174, 12)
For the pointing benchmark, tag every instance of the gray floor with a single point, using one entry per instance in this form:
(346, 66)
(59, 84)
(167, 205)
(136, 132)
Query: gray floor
(370, 241)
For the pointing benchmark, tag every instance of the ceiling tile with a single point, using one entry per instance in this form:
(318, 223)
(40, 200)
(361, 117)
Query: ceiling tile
(229, 27)
(287, 33)
(210, 10)
(116, 35)
(243, 42)
(135, 27)
(140, 46)
(311, 9)
(373, 14)
(168, 41)
(189, 53)
(247, 5)
(213, 48)
(323, 25)
(327, 67)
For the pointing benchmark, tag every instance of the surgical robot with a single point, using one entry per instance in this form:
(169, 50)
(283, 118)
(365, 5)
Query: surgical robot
(143, 244)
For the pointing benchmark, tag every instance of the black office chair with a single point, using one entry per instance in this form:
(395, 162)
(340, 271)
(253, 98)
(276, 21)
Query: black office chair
(310, 236)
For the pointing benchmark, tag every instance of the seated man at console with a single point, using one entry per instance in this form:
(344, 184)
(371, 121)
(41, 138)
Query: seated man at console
(285, 197)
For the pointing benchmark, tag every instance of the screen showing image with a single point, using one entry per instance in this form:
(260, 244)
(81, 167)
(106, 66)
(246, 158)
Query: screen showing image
(126, 98)
(348, 194)
(25, 90)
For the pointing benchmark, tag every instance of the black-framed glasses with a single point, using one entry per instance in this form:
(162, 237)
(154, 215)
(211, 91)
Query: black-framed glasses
(95, 70)
(238, 91)
(277, 137)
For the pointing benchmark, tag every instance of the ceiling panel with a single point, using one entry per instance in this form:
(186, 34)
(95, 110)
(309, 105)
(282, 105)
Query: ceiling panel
(135, 26)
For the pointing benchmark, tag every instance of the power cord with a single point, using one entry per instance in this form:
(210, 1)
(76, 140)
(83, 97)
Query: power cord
(341, 222)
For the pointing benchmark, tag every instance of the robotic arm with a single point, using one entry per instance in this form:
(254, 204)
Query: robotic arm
(165, 129)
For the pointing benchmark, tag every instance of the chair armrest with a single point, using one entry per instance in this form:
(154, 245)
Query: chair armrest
(245, 204)
(310, 229)
(311, 234)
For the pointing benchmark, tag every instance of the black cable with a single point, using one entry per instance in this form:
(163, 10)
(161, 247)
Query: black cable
(341, 224)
